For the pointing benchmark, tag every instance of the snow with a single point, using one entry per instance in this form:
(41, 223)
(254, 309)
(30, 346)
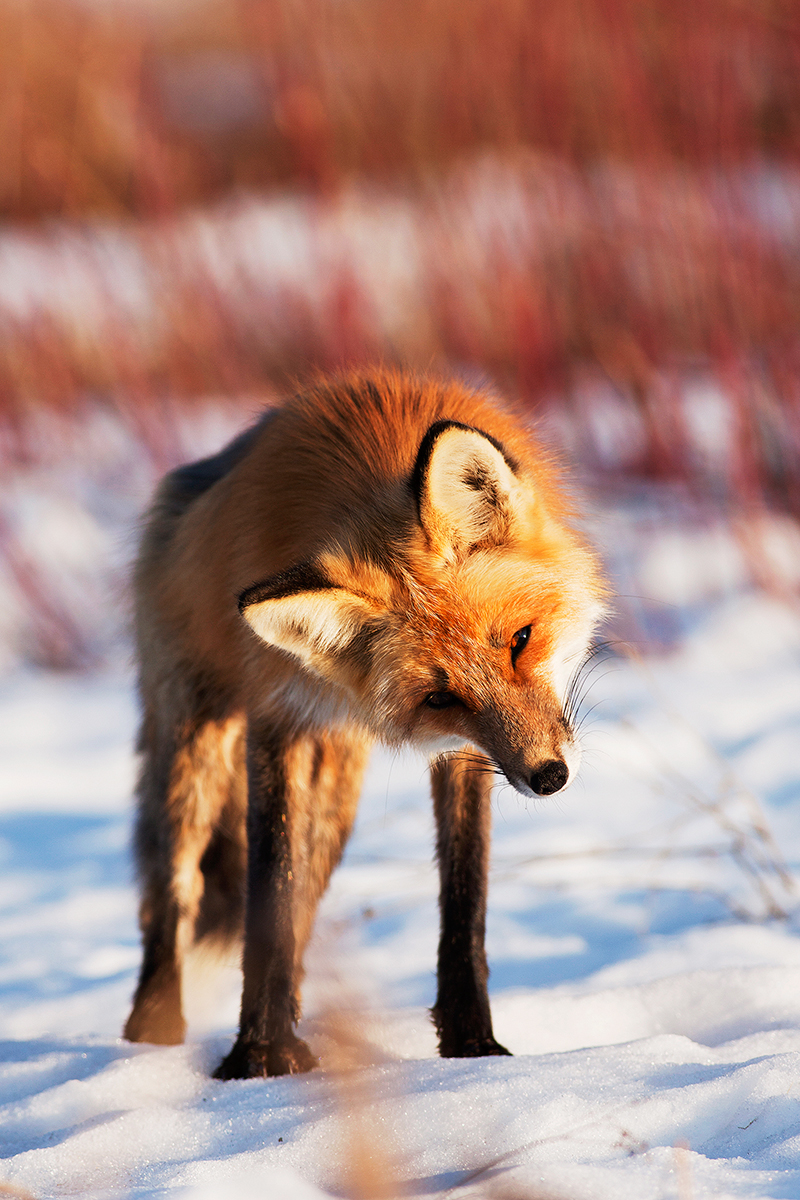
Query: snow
(643, 934)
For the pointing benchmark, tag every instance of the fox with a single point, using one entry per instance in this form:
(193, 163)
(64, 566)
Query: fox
(382, 558)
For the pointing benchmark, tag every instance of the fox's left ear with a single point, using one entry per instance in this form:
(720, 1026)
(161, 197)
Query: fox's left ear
(326, 627)
(466, 489)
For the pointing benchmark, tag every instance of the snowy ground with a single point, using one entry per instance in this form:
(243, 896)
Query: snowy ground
(644, 939)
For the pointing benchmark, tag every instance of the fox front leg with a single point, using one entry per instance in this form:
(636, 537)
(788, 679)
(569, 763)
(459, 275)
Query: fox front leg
(462, 805)
(267, 1043)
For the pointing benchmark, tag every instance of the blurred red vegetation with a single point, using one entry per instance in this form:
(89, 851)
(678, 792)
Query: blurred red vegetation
(592, 193)
(111, 109)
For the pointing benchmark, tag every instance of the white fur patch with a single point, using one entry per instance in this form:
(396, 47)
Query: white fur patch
(572, 755)
(441, 744)
(570, 653)
(565, 663)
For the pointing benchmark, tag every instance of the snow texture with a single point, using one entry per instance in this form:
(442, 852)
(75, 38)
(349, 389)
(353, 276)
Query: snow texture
(642, 934)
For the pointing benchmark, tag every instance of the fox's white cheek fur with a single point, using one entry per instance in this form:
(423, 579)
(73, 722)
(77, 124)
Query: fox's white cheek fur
(565, 663)
(571, 652)
(440, 743)
(572, 755)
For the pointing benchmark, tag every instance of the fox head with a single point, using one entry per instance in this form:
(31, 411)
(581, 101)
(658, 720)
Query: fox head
(465, 628)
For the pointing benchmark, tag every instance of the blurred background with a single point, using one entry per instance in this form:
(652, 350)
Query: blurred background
(591, 205)
(594, 205)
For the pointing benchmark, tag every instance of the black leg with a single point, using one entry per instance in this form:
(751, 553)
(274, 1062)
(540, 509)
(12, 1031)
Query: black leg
(462, 805)
(267, 1043)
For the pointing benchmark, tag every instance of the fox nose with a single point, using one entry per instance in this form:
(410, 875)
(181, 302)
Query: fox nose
(550, 777)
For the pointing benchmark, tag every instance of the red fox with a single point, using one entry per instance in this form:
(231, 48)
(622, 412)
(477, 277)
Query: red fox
(384, 558)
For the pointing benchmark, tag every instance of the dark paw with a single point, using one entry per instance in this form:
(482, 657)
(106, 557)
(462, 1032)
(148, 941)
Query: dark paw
(470, 1048)
(259, 1060)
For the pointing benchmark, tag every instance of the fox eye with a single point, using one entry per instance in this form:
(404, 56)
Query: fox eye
(441, 699)
(518, 642)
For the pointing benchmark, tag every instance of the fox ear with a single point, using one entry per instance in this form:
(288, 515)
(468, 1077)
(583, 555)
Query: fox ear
(467, 492)
(303, 613)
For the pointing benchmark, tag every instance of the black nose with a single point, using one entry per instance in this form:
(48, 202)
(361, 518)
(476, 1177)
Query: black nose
(550, 777)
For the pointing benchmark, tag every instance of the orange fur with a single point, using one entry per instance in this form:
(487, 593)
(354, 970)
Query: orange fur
(406, 570)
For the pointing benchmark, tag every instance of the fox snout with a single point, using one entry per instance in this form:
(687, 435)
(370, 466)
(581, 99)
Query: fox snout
(557, 772)
(530, 739)
(550, 777)
(545, 777)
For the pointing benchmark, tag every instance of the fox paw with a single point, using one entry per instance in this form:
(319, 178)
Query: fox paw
(160, 1024)
(258, 1060)
(471, 1048)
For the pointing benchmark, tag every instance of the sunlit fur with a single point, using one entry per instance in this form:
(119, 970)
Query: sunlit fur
(385, 537)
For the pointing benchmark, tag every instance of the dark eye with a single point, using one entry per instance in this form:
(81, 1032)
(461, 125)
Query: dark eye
(441, 700)
(519, 641)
